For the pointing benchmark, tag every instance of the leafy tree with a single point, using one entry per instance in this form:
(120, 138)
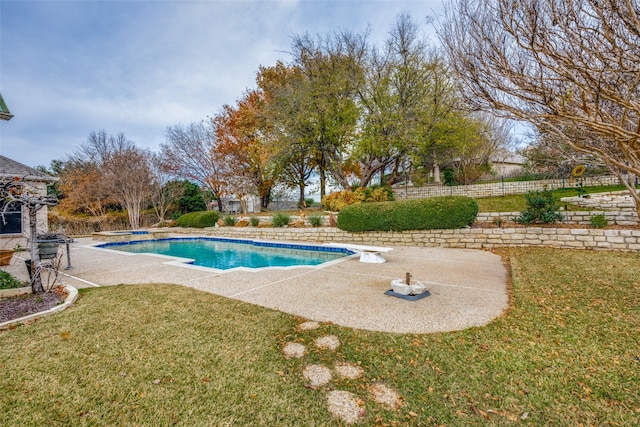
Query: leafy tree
(332, 70)
(569, 67)
(192, 199)
(290, 136)
(395, 102)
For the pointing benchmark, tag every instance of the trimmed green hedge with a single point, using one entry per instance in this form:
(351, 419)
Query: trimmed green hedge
(198, 219)
(424, 214)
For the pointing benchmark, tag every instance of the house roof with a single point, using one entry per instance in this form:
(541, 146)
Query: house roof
(5, 114)
(10, 168)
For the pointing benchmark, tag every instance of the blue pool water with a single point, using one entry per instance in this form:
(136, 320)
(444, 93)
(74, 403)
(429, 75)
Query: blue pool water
(225, 254)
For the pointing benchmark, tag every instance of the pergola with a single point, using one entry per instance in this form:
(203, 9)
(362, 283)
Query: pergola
(5, 114)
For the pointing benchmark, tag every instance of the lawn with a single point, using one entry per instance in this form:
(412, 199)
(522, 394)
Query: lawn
(517, 202)
(566, 353)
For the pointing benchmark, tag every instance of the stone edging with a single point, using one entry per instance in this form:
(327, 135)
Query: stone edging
(71, 298)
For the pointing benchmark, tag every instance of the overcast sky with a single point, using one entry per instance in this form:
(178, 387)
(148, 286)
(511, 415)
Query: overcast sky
(68, 68)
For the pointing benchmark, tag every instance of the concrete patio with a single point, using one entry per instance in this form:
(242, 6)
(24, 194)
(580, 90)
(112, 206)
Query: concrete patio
(468, 287)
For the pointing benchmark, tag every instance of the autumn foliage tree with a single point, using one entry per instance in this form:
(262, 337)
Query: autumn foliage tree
(245, 163)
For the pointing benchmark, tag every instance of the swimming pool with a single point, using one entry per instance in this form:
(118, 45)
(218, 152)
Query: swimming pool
(226, 254)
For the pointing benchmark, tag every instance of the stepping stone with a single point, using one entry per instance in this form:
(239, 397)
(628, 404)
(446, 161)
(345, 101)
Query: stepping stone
(317, 375)
(294, 350)
(349, 370)
(308, 326)
(345, 406)
(385, 396)
(328, 342)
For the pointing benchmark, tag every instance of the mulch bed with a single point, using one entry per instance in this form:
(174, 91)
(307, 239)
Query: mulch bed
(23, 305)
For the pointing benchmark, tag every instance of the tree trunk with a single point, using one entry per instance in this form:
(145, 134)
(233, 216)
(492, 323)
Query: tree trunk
(323, 183)
(36, 281)
(436, 173)
(301, 199)
(265, 198)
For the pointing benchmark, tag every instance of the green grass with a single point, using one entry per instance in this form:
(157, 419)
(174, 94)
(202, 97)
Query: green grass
(517, 202)
(565, 354)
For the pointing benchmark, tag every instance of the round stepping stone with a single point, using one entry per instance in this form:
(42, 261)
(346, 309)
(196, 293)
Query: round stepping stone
(308, 326)
(317, 375)
(385, 396)
(328, 342)
(294, 350)
(345, 406)
(349, 370)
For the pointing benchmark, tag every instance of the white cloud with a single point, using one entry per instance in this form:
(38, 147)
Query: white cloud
(70, 67)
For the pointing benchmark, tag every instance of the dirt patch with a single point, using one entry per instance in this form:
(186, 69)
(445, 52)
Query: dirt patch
(23, 305)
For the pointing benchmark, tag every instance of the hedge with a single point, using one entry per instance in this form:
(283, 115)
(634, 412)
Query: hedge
(198, 219)
(424, 214)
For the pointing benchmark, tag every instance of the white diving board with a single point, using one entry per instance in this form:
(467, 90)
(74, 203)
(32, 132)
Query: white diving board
(369, 254)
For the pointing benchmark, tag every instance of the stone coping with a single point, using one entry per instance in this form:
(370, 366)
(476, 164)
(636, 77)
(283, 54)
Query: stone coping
(72, 296)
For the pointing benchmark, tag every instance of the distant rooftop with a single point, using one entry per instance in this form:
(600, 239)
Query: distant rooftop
(10, 168)
(5, 114)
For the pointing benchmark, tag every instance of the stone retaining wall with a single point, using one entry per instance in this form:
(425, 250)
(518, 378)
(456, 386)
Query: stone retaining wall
(570, 217)
(499, 188)
(471, 238)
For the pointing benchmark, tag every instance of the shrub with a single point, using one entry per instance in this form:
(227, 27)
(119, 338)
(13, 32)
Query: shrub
(599, 221)
(198, 219)
(7, 281)
(424, 214)
(541, 208)
(335, 202)
(315, 220)
(254, 221)
(229, 220)
(280, 219)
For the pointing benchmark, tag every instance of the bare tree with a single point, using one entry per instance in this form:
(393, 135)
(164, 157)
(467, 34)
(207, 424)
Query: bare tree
(128, 172)
(189, 153)
(570, 67)
(165, 190)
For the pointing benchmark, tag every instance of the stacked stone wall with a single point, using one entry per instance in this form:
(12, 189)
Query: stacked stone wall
(500, 188)
(470, 238)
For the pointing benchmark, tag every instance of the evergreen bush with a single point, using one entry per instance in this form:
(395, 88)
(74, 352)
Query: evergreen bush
(599, 221)
(424, 214)
(541, 208)
(7, 281)
(280, 219)
(229, 220)
(198, 219)
(315, 220)
(254, 221)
